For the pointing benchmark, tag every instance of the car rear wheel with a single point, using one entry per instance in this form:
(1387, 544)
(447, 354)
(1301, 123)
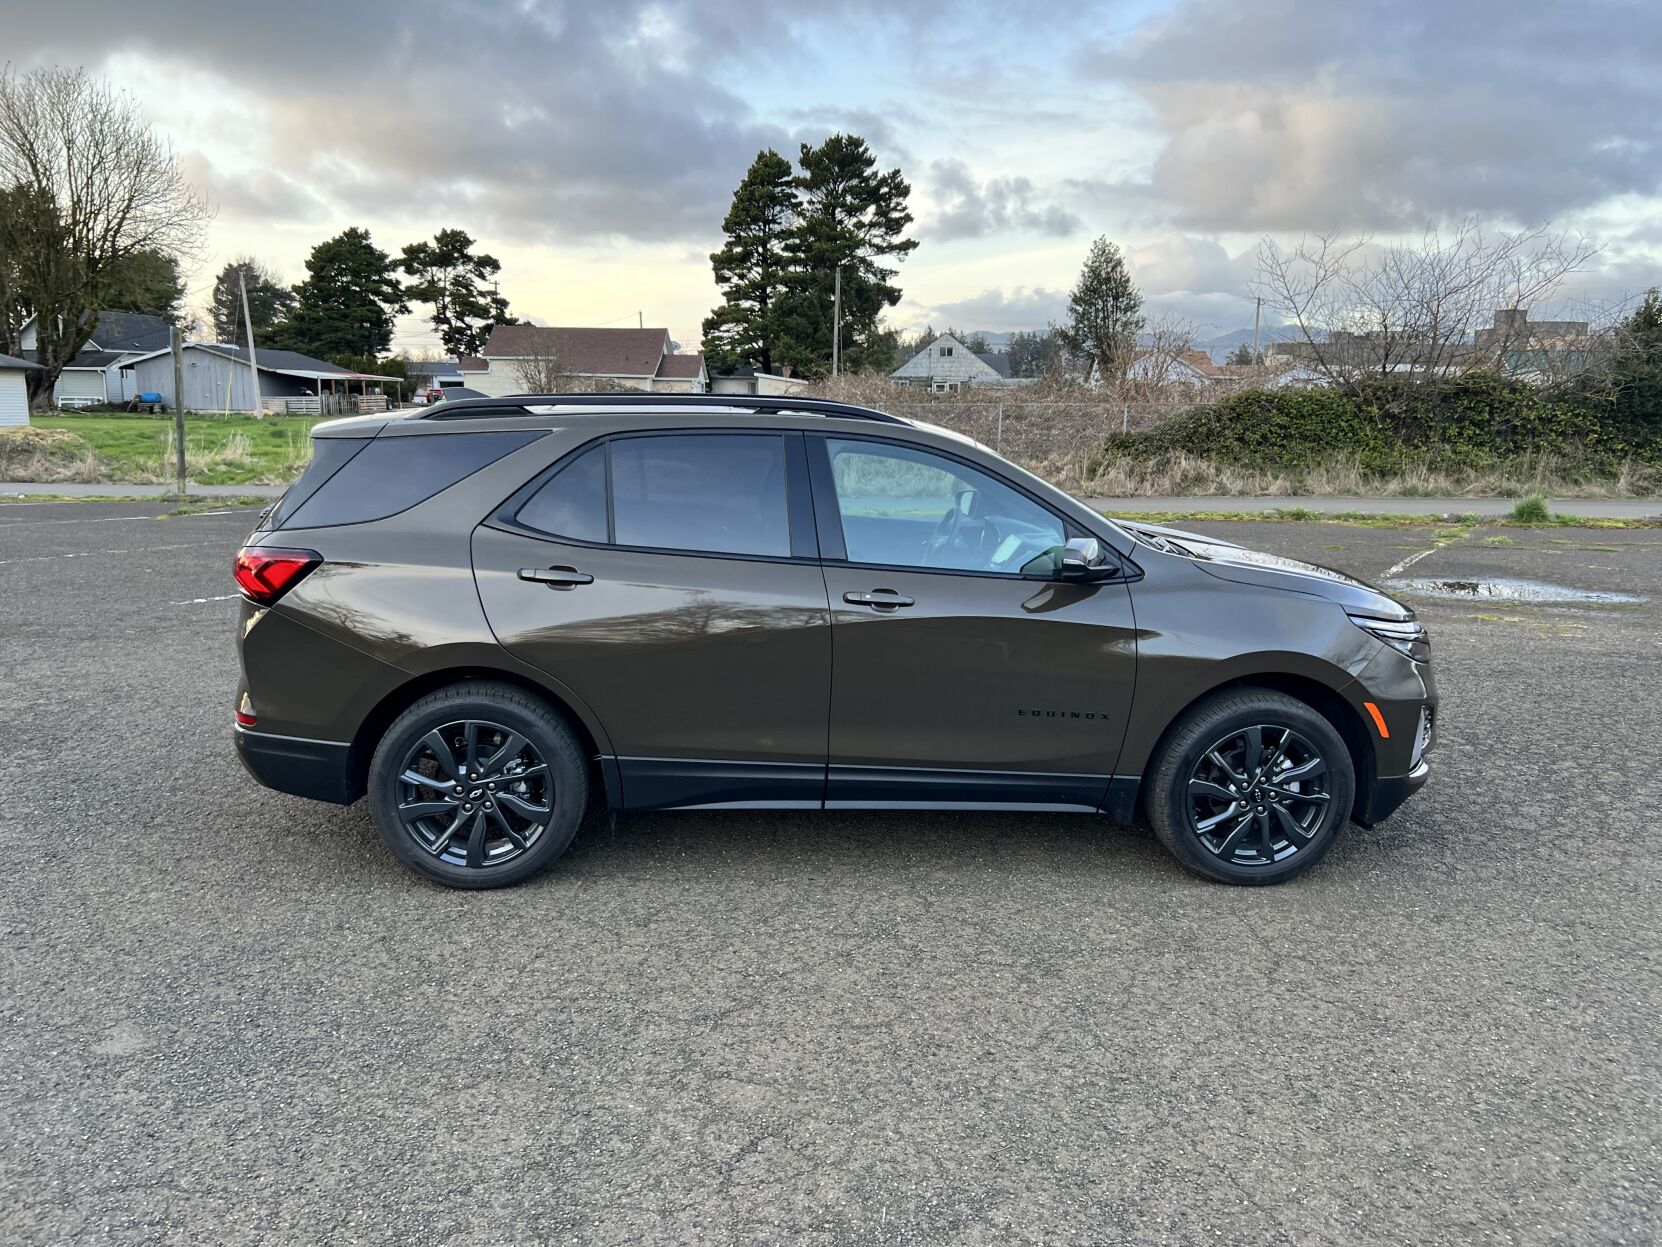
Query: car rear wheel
(478, 786)
(1252, 787)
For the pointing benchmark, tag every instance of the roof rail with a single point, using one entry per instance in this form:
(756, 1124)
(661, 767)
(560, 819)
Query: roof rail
(458, 409)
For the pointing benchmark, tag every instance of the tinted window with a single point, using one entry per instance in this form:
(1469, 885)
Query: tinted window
(392, 474)
(909, 508)
(329, 455)
(573, 502)
(719, 493)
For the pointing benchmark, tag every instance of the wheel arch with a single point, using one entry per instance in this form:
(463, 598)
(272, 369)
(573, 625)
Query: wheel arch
(1322, 698)
(398, 699)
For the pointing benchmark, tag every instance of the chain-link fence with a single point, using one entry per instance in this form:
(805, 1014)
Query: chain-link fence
(1038, 432)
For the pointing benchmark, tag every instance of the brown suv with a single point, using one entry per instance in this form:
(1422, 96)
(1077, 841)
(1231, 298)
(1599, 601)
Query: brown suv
(478, 612)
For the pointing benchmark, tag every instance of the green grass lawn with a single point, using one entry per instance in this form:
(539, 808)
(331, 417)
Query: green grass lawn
(219, 450)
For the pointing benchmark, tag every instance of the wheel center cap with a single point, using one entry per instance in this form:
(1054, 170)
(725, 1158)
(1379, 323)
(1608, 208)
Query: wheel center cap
(476, 794)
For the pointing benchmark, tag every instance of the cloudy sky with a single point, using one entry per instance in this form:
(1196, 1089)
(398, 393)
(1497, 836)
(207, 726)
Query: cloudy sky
(593, 147)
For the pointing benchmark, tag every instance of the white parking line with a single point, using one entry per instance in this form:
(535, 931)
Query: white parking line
(1410, 561)
(91, 554)
(223, 597)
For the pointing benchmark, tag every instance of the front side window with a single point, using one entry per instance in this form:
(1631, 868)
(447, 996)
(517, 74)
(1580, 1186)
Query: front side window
(709, 493)
(909, 508)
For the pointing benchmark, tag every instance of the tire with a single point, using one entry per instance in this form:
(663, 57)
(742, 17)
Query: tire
(529, 805)
(1219, 831)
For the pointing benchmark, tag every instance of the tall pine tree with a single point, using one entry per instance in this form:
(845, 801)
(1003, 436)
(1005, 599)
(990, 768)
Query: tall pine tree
(1105, 312)
(854, 216)
(347, 303)
(450, 278)
(750, 268)
(268, 300)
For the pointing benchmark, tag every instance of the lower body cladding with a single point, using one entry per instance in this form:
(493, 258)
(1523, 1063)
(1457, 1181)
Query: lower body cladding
(323, 771)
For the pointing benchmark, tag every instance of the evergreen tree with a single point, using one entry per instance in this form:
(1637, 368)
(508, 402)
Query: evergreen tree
(853, 216)
(347, 304)
(1242, 354)
(1105, 312)
(450, 278)
(148, 281)
(268, 301)
(750, 268)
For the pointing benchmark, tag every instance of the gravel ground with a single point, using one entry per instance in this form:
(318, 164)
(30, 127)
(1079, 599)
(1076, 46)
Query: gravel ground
(228, 1016)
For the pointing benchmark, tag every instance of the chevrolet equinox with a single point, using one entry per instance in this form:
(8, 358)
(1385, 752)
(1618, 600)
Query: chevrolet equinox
(478, 613)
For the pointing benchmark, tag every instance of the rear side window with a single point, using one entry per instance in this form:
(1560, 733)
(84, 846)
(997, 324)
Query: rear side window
(573, 503)
(329, 455)
(720, 493)
(392, 474)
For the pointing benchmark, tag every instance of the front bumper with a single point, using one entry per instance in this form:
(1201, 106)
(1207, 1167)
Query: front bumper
(1389, 792)
(316, 769)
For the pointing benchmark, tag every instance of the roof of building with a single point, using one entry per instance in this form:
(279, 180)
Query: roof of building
(996, 360)
(85, 359)
(681, 366)
(129, 331)
(12, 361)
(588, 352)
(290, 363)
(472, 363)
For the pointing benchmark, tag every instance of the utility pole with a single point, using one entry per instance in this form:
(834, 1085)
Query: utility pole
(1257, 315)
(253, 359)
(177, 343)
(837, 323)
(640, 320)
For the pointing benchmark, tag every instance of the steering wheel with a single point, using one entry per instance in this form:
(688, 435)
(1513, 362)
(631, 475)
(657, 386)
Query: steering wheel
(948, 533)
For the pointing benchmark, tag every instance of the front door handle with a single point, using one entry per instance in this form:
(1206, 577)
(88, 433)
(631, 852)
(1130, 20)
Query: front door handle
(878, 599)
(556, 577)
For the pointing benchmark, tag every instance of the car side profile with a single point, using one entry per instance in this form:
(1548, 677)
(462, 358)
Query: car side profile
(481, 612)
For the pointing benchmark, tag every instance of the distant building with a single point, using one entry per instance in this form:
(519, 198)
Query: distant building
(14, 390)
(97, 374)
(754, 381)
(946, 364)
(219, 378)
(636, 359)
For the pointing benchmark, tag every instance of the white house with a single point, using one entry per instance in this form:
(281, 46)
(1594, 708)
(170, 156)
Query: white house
(97, 373)
(637, 359)
(755, 381)
(14, 391)
(946, 364)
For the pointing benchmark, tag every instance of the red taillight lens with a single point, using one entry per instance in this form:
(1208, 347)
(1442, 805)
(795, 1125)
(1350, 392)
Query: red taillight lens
(265, 574)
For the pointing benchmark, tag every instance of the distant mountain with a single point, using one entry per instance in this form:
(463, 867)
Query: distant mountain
(1220, 345)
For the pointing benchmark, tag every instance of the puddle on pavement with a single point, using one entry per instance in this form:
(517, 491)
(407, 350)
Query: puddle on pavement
(1504, 589)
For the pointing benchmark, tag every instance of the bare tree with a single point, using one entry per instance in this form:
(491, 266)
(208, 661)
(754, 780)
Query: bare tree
(543, 372)
(85, 185)
(1413, 310)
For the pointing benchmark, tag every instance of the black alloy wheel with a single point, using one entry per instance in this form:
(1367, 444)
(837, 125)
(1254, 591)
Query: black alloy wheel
(1257, 795)
(1251, 786)
(475, 793)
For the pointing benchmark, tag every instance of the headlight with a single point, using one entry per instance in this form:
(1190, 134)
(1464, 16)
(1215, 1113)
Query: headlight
(1405, 636)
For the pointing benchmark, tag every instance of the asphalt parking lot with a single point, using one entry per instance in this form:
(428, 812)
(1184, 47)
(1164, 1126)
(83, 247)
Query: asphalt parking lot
(228, 1015)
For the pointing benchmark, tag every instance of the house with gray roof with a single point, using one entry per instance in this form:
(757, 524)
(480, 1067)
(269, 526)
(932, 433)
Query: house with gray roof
(220, 378)
(95, 374)
(946, 364)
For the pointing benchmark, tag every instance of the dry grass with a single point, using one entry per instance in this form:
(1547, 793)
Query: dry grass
(51, 455)
(1177, 474)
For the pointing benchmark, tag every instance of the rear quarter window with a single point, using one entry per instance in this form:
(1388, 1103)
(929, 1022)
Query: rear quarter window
(393, 474)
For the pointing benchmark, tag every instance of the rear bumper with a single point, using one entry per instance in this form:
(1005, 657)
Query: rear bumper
(1389, 792)
(316, 769)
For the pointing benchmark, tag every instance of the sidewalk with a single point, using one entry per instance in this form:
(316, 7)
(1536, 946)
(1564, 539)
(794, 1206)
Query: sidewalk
(1593, 508)
(16, 489)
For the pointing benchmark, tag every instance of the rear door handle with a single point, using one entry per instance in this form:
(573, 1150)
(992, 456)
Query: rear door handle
(878, 599)
(556, 577)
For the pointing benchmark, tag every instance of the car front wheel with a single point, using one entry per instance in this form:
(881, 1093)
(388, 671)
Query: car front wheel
(1252, 787)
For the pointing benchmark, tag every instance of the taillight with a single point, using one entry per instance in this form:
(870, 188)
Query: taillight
(264, 574)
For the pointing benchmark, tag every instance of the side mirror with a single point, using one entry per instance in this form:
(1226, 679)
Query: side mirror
(1084, 559)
